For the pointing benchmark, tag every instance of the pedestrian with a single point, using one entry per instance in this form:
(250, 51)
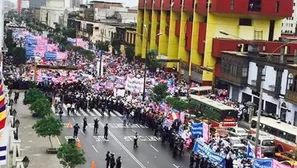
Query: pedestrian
(68, 108)
(85, 123)
(119, 162)
(112, 161)
(192, 160)
(96, 125)
(106, 131)
(135, 140)
(107, 159)
(75, 128)
(61, 114)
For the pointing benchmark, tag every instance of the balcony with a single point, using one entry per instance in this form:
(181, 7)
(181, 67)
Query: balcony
(291, 96)
(188, 5)
(201, 37)
(189, 26)
(238, 81)
(269, 8)
(141, 4)
(222, 44)
(149, 4)
(157, 5)
(166, 5)
(177, 4)
(201, 7)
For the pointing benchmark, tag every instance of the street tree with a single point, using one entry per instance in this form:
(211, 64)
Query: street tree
(41, 107)
(102, 45)
(130, 53)
(32, 95)
(19, 56)
(178, 104)
(48, 127)
(70, 156)
(116, 44)
(10, 44)
(152, 62)
(160, 92)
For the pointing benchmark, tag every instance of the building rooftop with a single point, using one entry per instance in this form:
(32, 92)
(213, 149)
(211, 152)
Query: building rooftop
(106, 2)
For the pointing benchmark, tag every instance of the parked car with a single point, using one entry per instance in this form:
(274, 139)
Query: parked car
(237, 132)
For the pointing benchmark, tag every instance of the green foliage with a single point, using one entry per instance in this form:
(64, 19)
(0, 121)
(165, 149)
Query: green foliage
(178, 104)
(159, 92)
(152, 62)
(33, 95)
(130, 53)
(116, 44)
(102, 45)
(69, 32)
(19, 56)
(48, 127)
(41, 107)
(10, 44)
(70, 156)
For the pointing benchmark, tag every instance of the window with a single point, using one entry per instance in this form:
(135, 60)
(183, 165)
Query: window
(290, 82)
(232, 4)
(245, 22)
(295, 84)
(244, 72)
(277, 7)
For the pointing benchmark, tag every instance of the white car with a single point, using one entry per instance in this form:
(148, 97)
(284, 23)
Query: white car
(238, 132)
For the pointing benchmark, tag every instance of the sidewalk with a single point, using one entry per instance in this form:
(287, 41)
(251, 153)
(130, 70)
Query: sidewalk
(31, 145)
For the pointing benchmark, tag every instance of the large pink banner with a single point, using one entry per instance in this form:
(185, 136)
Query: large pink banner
(277, 164)
(39, 53)
(205, 132)
(61, 55)
(40, 48)
(52, 48)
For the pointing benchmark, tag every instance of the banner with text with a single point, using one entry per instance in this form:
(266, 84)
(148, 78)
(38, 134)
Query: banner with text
(262, 163)
(134, 84)
(204, 150)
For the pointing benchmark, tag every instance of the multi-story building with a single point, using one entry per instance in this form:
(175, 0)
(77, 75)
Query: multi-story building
(243, 73)
(289, 23)
(95, 31)
(107, 12)
(190, 31)
(56, 11)
(37, 3)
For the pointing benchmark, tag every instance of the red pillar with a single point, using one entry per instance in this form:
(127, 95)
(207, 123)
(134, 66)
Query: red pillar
(19, 6)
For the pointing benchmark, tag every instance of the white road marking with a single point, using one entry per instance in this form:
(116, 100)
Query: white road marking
(117, 113)
(113, 115)
(154, 148)
(72, 119)
(83, 112)
(124, 147)
(76, 112)
(91, 113)
(133, 131)
(97, 112)
(95, 148)
(175, 165)
(105, 114)
(65, 107)
(82, 132)
(120, 119)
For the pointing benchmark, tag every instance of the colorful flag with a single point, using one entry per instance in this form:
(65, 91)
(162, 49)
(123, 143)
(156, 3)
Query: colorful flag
(2, 108)
(2, 115)
(4, 134)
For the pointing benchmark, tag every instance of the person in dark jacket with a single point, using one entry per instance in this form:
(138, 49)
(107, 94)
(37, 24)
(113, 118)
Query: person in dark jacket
(107, 159)
(119, 162)
(112, 161)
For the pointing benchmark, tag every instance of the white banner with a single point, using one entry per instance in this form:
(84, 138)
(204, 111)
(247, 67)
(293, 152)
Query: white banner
(134, 84)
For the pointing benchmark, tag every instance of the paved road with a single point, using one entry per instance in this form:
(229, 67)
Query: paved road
(150, 154)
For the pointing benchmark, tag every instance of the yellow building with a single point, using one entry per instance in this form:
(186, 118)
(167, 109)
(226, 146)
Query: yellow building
(195, 31)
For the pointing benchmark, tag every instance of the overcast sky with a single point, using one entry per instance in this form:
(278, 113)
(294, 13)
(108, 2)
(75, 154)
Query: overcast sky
(127, 2)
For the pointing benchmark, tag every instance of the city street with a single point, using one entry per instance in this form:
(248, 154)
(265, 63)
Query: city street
(150, 153)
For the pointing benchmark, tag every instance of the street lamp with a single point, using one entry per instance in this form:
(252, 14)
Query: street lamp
(17, 124)
(263, 75)
(145, 61)
(26, 162)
